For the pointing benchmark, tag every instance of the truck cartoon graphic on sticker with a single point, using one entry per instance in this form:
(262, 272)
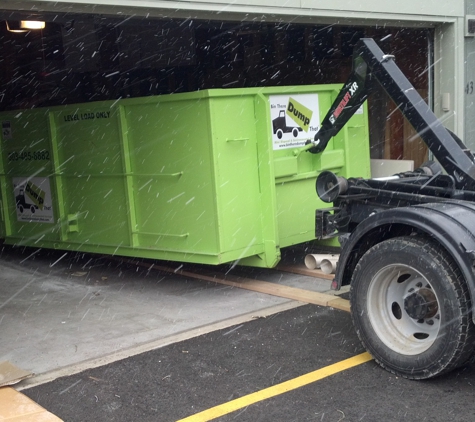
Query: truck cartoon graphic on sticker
(279, 126)
(33, 199)
(22, 204)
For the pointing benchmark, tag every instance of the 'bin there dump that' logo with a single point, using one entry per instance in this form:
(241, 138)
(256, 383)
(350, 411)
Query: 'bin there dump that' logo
(299, 113)
(36, 195)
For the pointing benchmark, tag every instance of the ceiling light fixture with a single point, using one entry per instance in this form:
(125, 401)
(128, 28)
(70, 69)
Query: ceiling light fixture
(24, 26)
(32, 24)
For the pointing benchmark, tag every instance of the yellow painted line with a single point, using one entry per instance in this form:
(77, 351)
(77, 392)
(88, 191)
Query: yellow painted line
(275, 390)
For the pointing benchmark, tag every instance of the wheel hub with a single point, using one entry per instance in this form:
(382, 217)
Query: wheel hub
(421, 304)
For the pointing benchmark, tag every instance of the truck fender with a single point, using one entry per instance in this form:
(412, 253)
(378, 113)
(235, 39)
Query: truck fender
(450, 223)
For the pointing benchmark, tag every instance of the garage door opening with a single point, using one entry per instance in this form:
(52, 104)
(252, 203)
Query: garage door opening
(83, 58)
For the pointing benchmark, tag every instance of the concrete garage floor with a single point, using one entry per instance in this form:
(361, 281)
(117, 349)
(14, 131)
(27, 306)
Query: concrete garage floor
(63, 312)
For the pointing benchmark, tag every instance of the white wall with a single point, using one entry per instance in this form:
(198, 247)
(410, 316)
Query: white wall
(469, 138)
(449, 74)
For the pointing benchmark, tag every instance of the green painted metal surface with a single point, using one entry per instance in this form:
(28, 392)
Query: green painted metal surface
(211, 177)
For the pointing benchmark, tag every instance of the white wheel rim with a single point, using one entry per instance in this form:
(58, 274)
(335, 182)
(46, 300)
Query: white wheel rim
(390, 320)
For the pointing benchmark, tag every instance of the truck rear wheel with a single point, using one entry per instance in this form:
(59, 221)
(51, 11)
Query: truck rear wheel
(411, 308)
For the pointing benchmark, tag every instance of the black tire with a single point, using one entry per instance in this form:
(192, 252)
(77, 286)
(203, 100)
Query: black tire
(279, 133)
(411, 308)
(32, 209)
(21, 209)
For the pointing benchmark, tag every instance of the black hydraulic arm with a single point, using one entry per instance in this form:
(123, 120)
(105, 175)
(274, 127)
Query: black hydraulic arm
(370, 64)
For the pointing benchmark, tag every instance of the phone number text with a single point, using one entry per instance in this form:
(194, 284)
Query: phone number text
(29, 156)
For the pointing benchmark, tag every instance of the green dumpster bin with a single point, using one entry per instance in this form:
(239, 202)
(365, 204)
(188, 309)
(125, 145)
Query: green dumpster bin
(209, 177)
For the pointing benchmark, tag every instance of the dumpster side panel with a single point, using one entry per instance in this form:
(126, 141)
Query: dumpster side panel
(90, 171)
(171, 162)
(237, 174)
(346, 154)
(27, 180)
